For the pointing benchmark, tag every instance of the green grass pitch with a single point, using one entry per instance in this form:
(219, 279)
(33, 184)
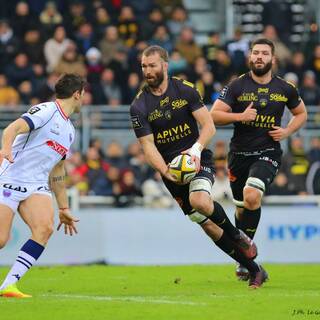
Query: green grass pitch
(161, 292)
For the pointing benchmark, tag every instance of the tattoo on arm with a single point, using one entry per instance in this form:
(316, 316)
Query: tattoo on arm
(58, 178)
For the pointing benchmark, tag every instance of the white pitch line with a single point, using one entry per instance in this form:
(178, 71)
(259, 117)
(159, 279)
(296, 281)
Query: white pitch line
(125, 299)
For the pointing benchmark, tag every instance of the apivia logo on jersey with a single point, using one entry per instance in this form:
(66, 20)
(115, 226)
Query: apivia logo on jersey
(57, 147)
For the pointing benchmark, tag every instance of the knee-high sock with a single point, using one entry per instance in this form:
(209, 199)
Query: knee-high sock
(237, 221)
(250, 220)
(27, 256)
(228, 246)
(220, 218)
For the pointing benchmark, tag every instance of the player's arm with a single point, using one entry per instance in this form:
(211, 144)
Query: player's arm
(57, 185)
(297, 121)
(153, 156)
(15, 128)
(208, 129)
(222, 113)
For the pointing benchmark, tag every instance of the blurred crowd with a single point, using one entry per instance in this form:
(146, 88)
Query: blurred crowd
(103, 40)
(123, 173)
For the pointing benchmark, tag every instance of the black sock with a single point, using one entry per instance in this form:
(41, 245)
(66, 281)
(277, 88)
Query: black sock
(220, 218)
(237, 221)
(228, 246)
(250, 220)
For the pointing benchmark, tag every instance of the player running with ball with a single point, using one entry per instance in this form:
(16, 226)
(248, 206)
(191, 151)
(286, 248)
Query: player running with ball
(165, 116)
(33, 149)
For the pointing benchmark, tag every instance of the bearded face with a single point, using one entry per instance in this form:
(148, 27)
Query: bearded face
(260, 68)
(261, 59)
(153, 70)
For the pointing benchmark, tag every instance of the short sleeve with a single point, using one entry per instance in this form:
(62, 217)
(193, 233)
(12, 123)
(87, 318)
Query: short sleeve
(193, 96)
(227, 94)
(38, 115)
(294, 98)
(139, 121)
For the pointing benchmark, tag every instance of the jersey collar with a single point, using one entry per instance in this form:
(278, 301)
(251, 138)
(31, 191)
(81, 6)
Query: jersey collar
(64, 116)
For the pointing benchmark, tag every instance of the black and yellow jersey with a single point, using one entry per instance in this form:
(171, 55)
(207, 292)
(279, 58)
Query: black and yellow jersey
(268, 99)
(168, 117)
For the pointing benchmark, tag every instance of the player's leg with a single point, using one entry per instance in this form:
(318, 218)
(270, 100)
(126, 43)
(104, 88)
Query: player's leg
(222, 239)
(6, 218)
(37, 212)
(261, 174)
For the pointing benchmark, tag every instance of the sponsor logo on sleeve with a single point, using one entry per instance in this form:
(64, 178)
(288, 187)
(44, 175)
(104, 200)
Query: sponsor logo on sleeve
(223, 92)
(34, 109)
(136, 124)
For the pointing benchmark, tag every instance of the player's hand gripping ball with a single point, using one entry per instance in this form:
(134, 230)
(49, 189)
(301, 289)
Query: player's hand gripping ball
(182, 168)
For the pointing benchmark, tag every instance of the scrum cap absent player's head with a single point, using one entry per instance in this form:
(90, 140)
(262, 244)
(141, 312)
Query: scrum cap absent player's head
(154, 65)
(261, 56)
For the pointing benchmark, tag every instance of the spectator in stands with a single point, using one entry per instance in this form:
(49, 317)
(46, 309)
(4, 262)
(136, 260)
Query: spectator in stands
(20, 70)
(108, 92)
(55, 47)
(148, 26)
(23, 20)
(295, 164)
(47, 92)
(206, 87)
(297, 65)
(221, 187)
(94, 67)
(281, 186)
(282, 52)
(97, 144)
(309, 90)
(33, 46)
(129, 188)
(74, 175)
(132, 89)
(210, 49)
(115, 155)
(128, 26)
(177, 63)
(137, 162)
(102, 20)
(50, 17)
(220, 154)
(110, 44)
(25, 91)
(187, 46)
(95, 171)
(177, 21)
(85, 38)
(75, 16)
(155, 194)
(199, 66)
(161, 37)
(9, 96)
(238, 49)
(9, 45)
(292, 78)
(222, 67)
(314, 63)
(314, 151)
(39, 77)
(134, 57)
(71, 62)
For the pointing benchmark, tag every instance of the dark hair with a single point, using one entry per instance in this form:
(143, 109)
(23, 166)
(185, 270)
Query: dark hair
(263, 41)
(68, 84)
(163, 53)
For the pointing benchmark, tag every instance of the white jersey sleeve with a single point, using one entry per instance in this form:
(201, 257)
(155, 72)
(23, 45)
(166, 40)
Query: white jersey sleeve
(38, 115)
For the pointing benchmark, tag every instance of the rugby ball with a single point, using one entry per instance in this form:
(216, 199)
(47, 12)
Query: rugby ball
(182, 168)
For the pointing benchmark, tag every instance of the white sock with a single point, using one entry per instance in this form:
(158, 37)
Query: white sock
(23, 263)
